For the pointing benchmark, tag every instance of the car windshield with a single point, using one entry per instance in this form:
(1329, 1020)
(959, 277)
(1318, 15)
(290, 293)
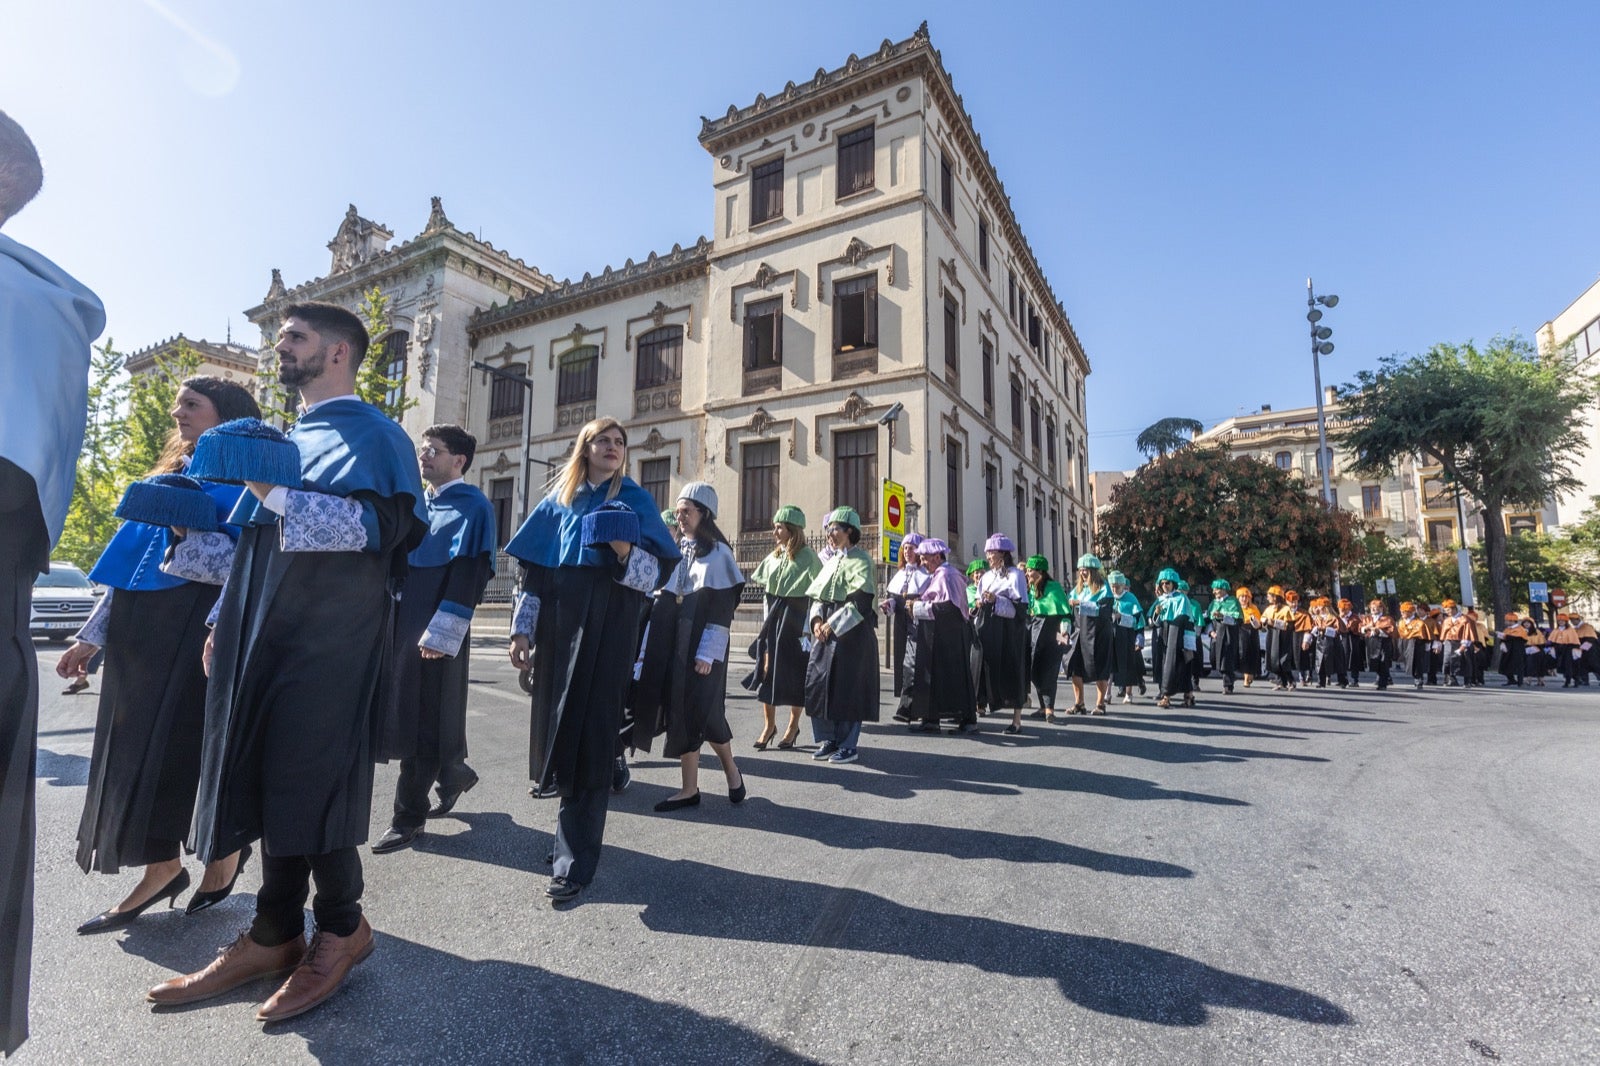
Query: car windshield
(62, 579)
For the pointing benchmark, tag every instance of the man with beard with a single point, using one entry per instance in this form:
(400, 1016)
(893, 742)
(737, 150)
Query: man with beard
(47, 322)
(293, 712)
(448, 572)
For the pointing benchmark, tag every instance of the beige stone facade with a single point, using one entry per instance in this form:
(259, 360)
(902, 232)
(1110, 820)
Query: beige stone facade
(1579, 325)
(863, 255)
(226, 360)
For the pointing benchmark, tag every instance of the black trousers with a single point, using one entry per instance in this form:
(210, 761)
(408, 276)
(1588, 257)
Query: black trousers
(441, 746)
(19, 710)
(285, 884)
(580, 827)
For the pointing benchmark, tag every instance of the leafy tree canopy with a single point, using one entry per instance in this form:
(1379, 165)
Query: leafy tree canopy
(1210, 516)
(1167, 435)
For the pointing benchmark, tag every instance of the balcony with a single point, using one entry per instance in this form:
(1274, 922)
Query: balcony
(657, 400)
(572, 416)
(767, 379)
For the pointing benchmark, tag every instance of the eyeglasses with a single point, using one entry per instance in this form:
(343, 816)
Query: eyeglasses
(430, 451)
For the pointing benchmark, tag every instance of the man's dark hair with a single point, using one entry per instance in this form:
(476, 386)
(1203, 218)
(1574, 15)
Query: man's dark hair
(333, 323)
(21, 176)
(456, 439)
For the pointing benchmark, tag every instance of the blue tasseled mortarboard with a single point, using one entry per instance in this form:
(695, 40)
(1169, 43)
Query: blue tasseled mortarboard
(246, 449)
(614, 521)
(169, 500)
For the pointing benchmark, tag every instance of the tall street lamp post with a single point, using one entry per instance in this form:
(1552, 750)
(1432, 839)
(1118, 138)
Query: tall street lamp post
(1321, 346)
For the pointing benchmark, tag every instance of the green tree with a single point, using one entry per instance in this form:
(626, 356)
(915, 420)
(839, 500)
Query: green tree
(1500, 421)
(372, 383)
(1210, 515)
(1536, 557)
(98, 487)
(1167, 435)
(150, 401)
(1426, 577)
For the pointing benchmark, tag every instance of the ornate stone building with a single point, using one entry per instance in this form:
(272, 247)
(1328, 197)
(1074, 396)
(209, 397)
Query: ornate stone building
(232, 362)
(867, 307)
(435, 282)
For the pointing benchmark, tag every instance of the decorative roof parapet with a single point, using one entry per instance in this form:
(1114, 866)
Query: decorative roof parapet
(630, 274)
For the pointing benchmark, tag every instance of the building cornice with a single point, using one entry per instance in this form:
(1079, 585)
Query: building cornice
(654, 272)
(225, 354)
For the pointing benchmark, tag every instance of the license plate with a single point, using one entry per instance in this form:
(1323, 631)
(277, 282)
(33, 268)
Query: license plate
(63, 625)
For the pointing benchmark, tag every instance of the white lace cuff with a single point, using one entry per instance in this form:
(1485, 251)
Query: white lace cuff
(94, 630)
(318, 522)
(640, 572)
(202, 557)
(525, 619)
(445, 632)
(713, 644)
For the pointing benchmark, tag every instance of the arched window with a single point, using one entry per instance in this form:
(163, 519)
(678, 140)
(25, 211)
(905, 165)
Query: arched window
(578, 375)
(394, 366)
(659, 357)
(1283, 461)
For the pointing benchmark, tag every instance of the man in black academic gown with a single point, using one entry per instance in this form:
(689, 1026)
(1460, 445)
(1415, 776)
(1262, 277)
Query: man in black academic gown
(293, 714)
(47, 322)
(448, 572)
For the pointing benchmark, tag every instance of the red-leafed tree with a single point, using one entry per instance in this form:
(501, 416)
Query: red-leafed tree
(1209, 515)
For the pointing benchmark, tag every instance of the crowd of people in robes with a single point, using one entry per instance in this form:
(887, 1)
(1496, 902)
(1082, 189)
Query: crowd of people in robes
(283, 610)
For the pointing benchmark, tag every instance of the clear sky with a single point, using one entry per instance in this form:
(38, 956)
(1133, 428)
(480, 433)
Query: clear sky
(1179, 168)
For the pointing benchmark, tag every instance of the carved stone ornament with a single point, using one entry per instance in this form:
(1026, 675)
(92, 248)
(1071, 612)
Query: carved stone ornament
(764, 276)
(856, 251)
(436, 216)
(276, 290)
(658, 313)
(761, 421)
(654, 442)
(501, 464)
(854, 407)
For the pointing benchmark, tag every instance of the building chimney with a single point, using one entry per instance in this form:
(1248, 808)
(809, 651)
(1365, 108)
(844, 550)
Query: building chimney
(1330, 394)
(1265, 408)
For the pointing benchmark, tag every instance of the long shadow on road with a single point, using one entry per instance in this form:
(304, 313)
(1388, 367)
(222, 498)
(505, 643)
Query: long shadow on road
(891, 774)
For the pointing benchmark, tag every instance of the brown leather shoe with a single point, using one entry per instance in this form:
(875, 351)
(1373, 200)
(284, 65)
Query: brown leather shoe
(320, 974)
(237, 964)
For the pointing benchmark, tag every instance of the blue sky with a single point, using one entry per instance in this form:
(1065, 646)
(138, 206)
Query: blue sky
(1179, 168)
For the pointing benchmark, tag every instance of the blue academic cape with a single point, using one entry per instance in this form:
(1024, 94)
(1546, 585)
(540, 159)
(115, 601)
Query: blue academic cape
(460, 523)
(47, 321)
(552, 535)
(132, 561)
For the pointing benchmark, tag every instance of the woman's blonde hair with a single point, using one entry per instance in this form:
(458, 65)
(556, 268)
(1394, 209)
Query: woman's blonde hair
(566, 482)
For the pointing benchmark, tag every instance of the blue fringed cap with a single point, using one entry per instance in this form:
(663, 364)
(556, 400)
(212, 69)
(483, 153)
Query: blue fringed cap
(614, 521)
(246, 449)
(169, 500)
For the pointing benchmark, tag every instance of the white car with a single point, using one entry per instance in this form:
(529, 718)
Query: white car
(62, 600)
(1150, 643)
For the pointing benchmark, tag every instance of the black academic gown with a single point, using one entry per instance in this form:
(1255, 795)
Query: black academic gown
(437, 687)
(938, 679)
(1170, 660)
(24, 554)
(842, 675)
(780, 657)
(1004, 681)
(671, 697)
(294, 711)
(1044, 656)
(145, 768)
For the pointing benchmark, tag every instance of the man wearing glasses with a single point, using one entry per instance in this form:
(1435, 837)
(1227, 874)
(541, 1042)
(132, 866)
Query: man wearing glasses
(448, 573)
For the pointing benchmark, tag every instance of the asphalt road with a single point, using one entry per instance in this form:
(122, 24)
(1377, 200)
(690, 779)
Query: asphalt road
(1306, 878)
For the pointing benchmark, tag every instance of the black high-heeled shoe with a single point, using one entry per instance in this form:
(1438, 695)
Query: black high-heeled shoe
(201, 900)
(788, 741)
(109, 920)
(761, 745)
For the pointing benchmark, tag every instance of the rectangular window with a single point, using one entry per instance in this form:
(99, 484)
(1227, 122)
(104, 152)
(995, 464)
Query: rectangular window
(1050, 444)
(1033, 330)
(1519, 524)
(766, 191)
(952, 342)
(952, 489)
(578, 375)
(505, 394)
(758, 485)
(1020, 499)
(855, 313)
(983, 246)
(988, 378)
(856, 153)
(855, 471)
(1372, 500)
(500, 493)
(1038, 523)
(947, 188)
(659, 357)
(1034, 427)
(763, 334)
(1055, 538)
(655, 476)
(1016, 406)
(1441, 534)
(1435, 497)
(1011, 294)
(991, 498)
